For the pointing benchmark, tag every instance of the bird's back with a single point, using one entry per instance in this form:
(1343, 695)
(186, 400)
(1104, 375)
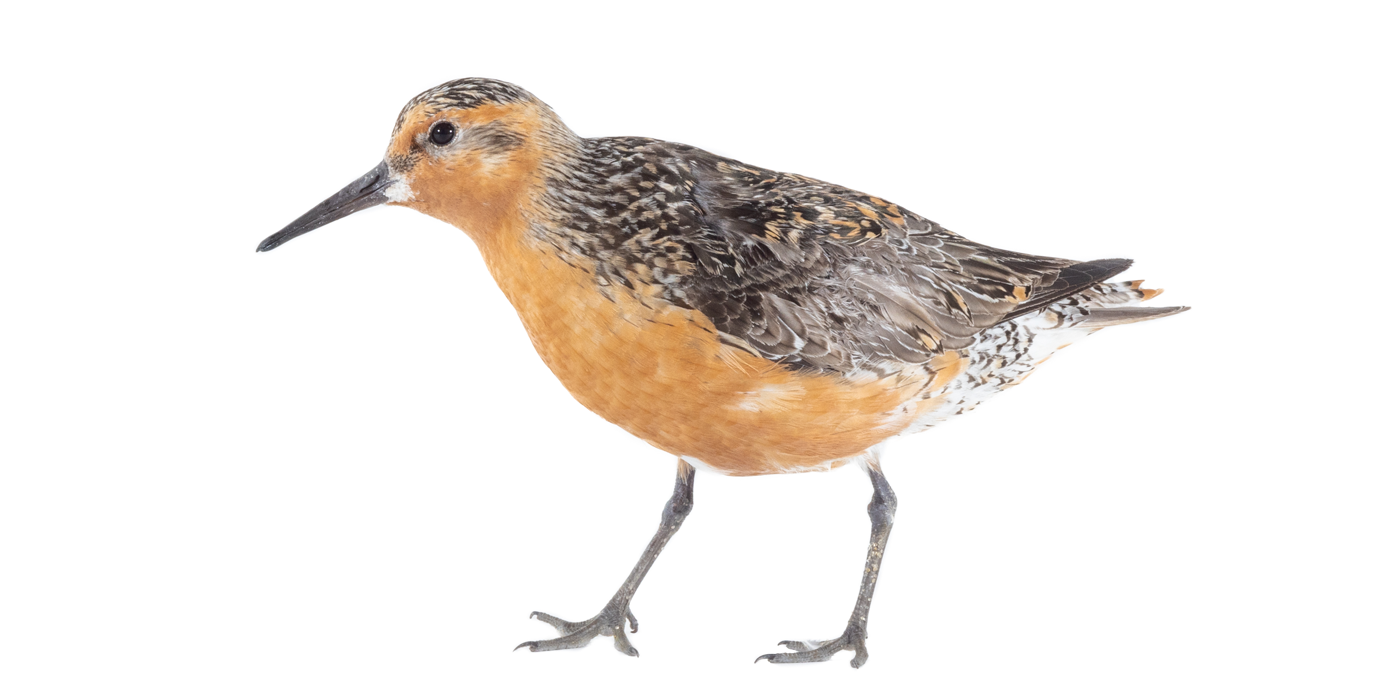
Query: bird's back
(805, 273)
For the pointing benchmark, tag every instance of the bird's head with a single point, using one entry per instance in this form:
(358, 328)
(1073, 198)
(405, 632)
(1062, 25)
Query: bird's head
(467, 152)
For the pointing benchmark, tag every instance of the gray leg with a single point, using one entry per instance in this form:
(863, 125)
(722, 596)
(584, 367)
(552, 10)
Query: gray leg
(881, 509)
(609, 622)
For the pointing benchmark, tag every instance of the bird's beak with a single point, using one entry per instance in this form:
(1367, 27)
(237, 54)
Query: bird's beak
(366, 192)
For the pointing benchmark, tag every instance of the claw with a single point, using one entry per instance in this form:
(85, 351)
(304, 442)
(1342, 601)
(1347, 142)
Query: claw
(621, 644)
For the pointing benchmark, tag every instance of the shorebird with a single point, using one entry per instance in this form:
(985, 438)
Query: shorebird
(746, 321)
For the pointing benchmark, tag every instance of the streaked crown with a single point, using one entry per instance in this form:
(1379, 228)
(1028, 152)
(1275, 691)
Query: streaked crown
(465, 93)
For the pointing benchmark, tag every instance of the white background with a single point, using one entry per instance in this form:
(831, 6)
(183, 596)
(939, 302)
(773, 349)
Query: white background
(339, 470)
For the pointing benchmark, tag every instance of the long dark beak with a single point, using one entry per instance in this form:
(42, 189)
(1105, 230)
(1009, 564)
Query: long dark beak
(366, 192)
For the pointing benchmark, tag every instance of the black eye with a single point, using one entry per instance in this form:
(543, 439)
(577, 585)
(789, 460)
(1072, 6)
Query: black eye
(442, 133)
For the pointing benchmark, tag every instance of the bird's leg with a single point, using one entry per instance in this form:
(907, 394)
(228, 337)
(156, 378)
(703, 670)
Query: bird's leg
(881, 509)
(609, 621)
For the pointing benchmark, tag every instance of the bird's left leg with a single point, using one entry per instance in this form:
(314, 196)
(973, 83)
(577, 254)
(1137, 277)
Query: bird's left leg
(609, 622)
(881, 509)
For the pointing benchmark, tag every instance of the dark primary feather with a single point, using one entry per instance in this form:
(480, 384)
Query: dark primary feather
(797, 270)
(1070, 281)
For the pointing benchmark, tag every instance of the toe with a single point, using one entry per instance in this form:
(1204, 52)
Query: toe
(796, 657)
(861, 655)
(563, 626)
(811, 652)
(572, 641)
(621, 644)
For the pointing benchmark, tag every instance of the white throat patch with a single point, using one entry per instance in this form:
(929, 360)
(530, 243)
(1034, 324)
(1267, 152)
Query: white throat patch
(400, 190)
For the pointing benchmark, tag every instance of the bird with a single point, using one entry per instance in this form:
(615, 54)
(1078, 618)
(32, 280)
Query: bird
(746, 321)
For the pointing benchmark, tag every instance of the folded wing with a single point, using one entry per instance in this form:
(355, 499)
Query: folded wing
(821, 277)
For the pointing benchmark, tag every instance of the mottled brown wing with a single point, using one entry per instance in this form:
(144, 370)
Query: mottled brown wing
(822, 277)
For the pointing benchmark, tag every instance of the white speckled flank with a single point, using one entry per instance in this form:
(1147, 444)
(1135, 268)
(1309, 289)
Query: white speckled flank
(1006, 354)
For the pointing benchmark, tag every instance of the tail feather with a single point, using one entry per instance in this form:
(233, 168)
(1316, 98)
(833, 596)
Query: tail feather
(1117, 316)
(1114, 304)
(1136, 286)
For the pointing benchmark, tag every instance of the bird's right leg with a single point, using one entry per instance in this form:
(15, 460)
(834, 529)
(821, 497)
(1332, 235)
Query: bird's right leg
(881, 510)
(609, 622)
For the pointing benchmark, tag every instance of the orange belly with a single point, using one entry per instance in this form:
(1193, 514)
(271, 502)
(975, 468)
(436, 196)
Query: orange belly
(661, 373)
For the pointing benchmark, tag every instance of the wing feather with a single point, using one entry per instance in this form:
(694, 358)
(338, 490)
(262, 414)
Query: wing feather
(822, 277)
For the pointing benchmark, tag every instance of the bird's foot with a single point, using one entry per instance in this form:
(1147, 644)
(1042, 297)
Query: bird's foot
(807, 652)
(576, 635)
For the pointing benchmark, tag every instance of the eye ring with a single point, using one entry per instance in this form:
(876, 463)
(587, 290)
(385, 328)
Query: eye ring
(442, 133)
